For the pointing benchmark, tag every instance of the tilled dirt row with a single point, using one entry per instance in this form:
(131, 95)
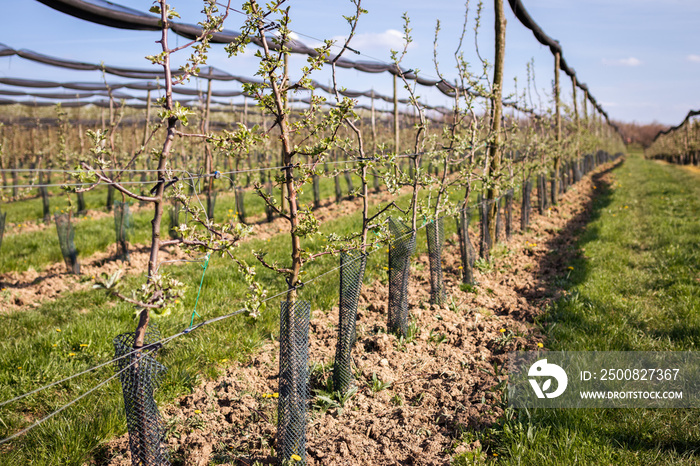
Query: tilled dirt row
(415, 397)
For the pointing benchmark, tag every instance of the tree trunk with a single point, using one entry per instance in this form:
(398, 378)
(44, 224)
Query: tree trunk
(496, 114)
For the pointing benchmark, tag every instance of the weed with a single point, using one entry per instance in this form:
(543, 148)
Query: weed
(468, 288)
(483, 265)
(412, 332)
(326, 400)
(436, 338)
(377, 385)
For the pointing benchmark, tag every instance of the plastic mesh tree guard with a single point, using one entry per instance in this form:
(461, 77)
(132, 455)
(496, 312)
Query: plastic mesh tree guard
(139, 381)
(240, 205)
(2, 225)
(144, 191)
(317, 190)
(577, 170)
(562, 180)
(526, 205)
(338, 190)
(45, 204)
(110, 197)
(82, 207)
(553, 189)
(435, 231)
(122, 229)
(211, 204)
(509, 213)
(348, 180)
(268, 210)
(485, 238)
(401, 248)
(499, 218)
(66, 234)
(352, 270)
(174, 215)
(466, 249)
(293, 381)
(543, 200)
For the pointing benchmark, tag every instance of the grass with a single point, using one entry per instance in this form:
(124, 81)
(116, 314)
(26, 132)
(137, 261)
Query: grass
(636, 288)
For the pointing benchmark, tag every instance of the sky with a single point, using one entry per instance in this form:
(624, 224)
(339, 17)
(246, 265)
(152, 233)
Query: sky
(639, 58)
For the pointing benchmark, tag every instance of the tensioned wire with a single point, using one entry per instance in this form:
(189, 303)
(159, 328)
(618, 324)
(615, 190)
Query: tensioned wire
(181, 170)
(67, 405)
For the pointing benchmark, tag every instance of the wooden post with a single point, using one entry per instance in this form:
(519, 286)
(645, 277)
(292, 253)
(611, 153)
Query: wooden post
(577, 122)
(557, 154)
(148, 117)
(496, 112)
(283, 190)
(245, 111)
(208, 162)
(374, 125)
(396, 116)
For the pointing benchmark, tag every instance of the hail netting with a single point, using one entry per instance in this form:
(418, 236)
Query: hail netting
(435, 232)
(122, 228)
(466, 249)
(2, 225)
(352, 270)
(293, 380)
(401, 248)
(66, 234)
(146, 432)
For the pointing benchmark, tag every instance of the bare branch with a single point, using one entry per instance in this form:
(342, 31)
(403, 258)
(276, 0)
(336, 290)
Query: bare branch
(117, 186)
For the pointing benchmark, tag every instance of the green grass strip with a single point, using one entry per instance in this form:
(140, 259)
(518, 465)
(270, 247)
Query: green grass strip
(636, 287)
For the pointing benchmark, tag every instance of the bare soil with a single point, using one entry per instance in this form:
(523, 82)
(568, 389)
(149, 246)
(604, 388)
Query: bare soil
(24, 290)
(434, 387)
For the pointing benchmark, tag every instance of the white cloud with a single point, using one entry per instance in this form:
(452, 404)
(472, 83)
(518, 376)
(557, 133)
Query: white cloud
(631, 61)
(693, 58)
(292, 35)
(391, 39)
